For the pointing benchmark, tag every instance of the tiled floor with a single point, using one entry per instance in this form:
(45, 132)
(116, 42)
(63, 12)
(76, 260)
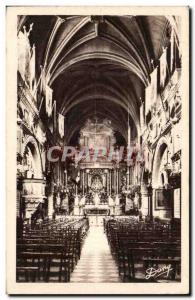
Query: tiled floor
(96, 263)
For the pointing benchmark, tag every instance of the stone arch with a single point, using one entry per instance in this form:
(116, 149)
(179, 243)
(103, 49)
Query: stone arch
(30, 148)
(161, 147)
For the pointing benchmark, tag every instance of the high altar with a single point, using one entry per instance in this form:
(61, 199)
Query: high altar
(99, 179)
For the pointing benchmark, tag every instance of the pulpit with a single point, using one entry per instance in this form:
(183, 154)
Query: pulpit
(33, 194)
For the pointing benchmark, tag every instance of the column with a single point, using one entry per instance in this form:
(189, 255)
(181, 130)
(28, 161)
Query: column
(76, 204)
(87, 180)
(117, 181)
(150, 202)
(114, 180)
(65, 178)
(110, 182)
(133, 174)
(76, 189)
(146, 200)
(128, 176)
(81, 180)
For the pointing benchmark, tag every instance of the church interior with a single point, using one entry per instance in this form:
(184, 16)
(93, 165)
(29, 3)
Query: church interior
(110, 83)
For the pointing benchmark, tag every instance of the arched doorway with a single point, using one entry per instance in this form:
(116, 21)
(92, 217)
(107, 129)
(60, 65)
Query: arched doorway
(162, 192)
(32, 158)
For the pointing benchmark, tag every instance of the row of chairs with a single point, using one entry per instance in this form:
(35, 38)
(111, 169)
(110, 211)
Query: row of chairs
(136, 251)
(51, 252)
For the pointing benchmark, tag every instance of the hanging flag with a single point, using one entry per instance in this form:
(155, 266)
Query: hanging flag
(48, 100)
(153, 86)
(61, 125)
(172, 45)
(23, 55)
(163, 67)
(141, 116)
(151, 92)
(129, 131)
(43, 82)
(147, 99)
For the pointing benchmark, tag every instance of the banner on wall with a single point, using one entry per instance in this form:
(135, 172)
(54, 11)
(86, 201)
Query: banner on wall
(48, 100)
(151, 92)
(163, 67)
(172, 41)
(153, 86)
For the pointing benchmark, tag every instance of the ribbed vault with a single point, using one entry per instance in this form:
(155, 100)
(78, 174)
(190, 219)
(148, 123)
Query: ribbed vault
(99, 64)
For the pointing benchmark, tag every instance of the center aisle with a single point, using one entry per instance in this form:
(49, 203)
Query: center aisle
(96, 263)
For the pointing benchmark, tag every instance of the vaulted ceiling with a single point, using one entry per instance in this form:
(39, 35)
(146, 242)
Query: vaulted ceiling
(98, 64)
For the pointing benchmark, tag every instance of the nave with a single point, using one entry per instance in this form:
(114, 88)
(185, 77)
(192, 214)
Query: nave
(123, 250)
(99, 156)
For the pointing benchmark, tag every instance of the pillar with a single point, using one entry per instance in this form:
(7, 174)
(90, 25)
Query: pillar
(117, 182)
(108, 182)
(65, 178)
(87, 180)
(106, 179)
(110, 174)
(76, 206)
(144, 200)
(128, 176)
(150, 202)
(114, 180)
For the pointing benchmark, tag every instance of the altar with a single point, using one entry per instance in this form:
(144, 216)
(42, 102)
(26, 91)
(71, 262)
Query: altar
(99, 179)
(96, 220)
(94, 206)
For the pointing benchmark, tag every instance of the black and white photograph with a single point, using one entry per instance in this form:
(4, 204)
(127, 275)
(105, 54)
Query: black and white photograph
(100, 143)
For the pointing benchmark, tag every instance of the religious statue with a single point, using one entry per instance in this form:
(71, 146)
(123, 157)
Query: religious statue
(30, 171)
(58, 200)
(136, 200)
(111, 205)
(96, 183)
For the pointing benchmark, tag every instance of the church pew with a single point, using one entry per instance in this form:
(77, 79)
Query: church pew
(54, 247)
(130, 243)
(28, 273)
